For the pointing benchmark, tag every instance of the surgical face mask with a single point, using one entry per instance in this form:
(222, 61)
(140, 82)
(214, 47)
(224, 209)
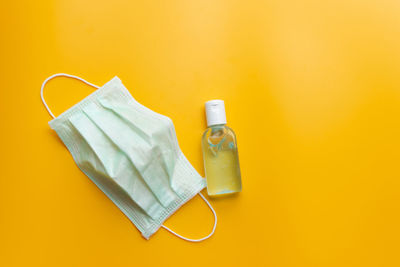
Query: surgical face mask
(131, 153)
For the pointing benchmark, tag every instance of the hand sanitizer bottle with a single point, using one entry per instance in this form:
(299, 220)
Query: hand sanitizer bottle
(220, 153)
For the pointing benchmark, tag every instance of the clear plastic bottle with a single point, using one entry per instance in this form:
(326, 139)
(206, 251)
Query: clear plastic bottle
(221, 161)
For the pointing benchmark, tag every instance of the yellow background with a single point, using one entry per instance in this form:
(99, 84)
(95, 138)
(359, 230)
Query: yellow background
(312, 90)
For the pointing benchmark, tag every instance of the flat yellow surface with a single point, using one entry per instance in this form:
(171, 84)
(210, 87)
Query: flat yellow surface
(312, 90)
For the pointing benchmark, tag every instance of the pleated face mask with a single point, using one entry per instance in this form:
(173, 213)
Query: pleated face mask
(131, 153)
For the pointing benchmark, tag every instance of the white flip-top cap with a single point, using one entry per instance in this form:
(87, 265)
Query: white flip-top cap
(215, 112)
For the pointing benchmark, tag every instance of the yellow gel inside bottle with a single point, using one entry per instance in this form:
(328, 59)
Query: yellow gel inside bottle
(221, 161)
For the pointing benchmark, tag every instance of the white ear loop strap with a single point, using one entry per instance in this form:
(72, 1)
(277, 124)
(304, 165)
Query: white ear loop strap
(201, 239)
(60, 75)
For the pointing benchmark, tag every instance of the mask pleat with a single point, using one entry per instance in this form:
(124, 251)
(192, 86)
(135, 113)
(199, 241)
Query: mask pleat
(122, 111)
(157, 130)
(143, 156)
(117, 194)
(115, 164)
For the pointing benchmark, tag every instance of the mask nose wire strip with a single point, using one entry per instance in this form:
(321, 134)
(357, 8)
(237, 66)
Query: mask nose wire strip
(60, 75)
(201, 239)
